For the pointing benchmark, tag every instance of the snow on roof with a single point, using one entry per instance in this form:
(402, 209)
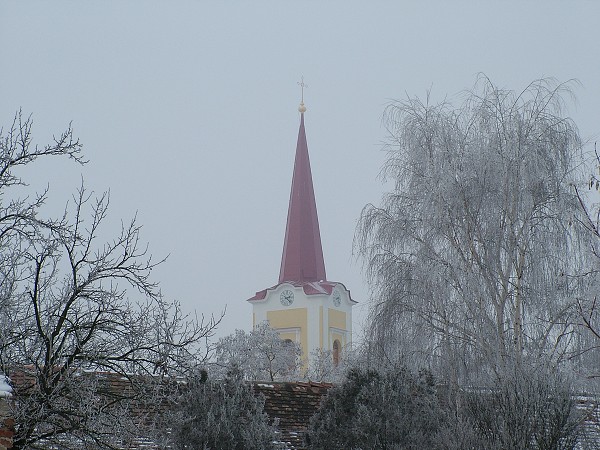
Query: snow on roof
(309, 287)
(5, 389)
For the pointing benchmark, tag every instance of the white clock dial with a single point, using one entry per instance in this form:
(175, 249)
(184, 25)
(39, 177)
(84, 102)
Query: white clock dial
(337, 298)
(286, 297)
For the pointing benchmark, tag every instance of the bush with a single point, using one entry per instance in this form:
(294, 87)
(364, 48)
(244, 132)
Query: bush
(387, 409)
(221, 415)
(525, 410)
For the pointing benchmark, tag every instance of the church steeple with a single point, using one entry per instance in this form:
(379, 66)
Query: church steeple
(302, 258)
(304, 306)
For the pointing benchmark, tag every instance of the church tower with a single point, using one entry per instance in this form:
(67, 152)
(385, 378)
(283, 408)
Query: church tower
(304, 306)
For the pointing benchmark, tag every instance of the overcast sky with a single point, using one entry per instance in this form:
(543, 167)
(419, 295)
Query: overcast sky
(187, 111)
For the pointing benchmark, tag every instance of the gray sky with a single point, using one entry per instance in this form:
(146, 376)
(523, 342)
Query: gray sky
(188, 112)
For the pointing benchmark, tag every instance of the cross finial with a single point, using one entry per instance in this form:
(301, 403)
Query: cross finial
(302, 85)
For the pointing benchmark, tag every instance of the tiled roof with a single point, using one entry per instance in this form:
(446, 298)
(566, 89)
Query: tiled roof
(293, 404)
(309, 288)
(136, 390)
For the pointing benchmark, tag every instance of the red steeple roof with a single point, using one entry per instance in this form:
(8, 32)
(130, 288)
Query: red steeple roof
(302, 258)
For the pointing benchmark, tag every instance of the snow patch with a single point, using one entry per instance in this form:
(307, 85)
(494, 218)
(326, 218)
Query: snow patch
(5, 389)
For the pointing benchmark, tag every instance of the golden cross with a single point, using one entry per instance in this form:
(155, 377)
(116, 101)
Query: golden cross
(302, 85)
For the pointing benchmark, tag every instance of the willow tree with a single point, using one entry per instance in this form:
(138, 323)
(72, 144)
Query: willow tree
(476, 253)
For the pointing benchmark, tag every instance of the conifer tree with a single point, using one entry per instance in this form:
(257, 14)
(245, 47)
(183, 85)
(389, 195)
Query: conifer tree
(220, 415)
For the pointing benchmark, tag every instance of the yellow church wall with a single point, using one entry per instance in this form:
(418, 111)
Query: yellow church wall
(321, 326)
(291, 318)
(337, 319)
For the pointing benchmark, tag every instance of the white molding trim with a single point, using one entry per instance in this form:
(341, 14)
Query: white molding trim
(294, 330)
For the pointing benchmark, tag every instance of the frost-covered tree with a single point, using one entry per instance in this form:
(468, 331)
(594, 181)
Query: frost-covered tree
(260, 354)
(477, 253)
(527, 409)
(392, 408)
(323, 367)
(219, 415)
(67, 311)
(379, 409)
(589, 304)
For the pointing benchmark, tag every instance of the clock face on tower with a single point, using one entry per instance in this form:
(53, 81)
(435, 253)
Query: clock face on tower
(286, 297)
(337, 298)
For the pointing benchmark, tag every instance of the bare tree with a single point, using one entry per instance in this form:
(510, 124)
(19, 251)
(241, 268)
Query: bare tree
(67, 312)
(587, 304)
(477, 253)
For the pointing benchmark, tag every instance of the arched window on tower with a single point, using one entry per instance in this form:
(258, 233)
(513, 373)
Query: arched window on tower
(337, 351)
